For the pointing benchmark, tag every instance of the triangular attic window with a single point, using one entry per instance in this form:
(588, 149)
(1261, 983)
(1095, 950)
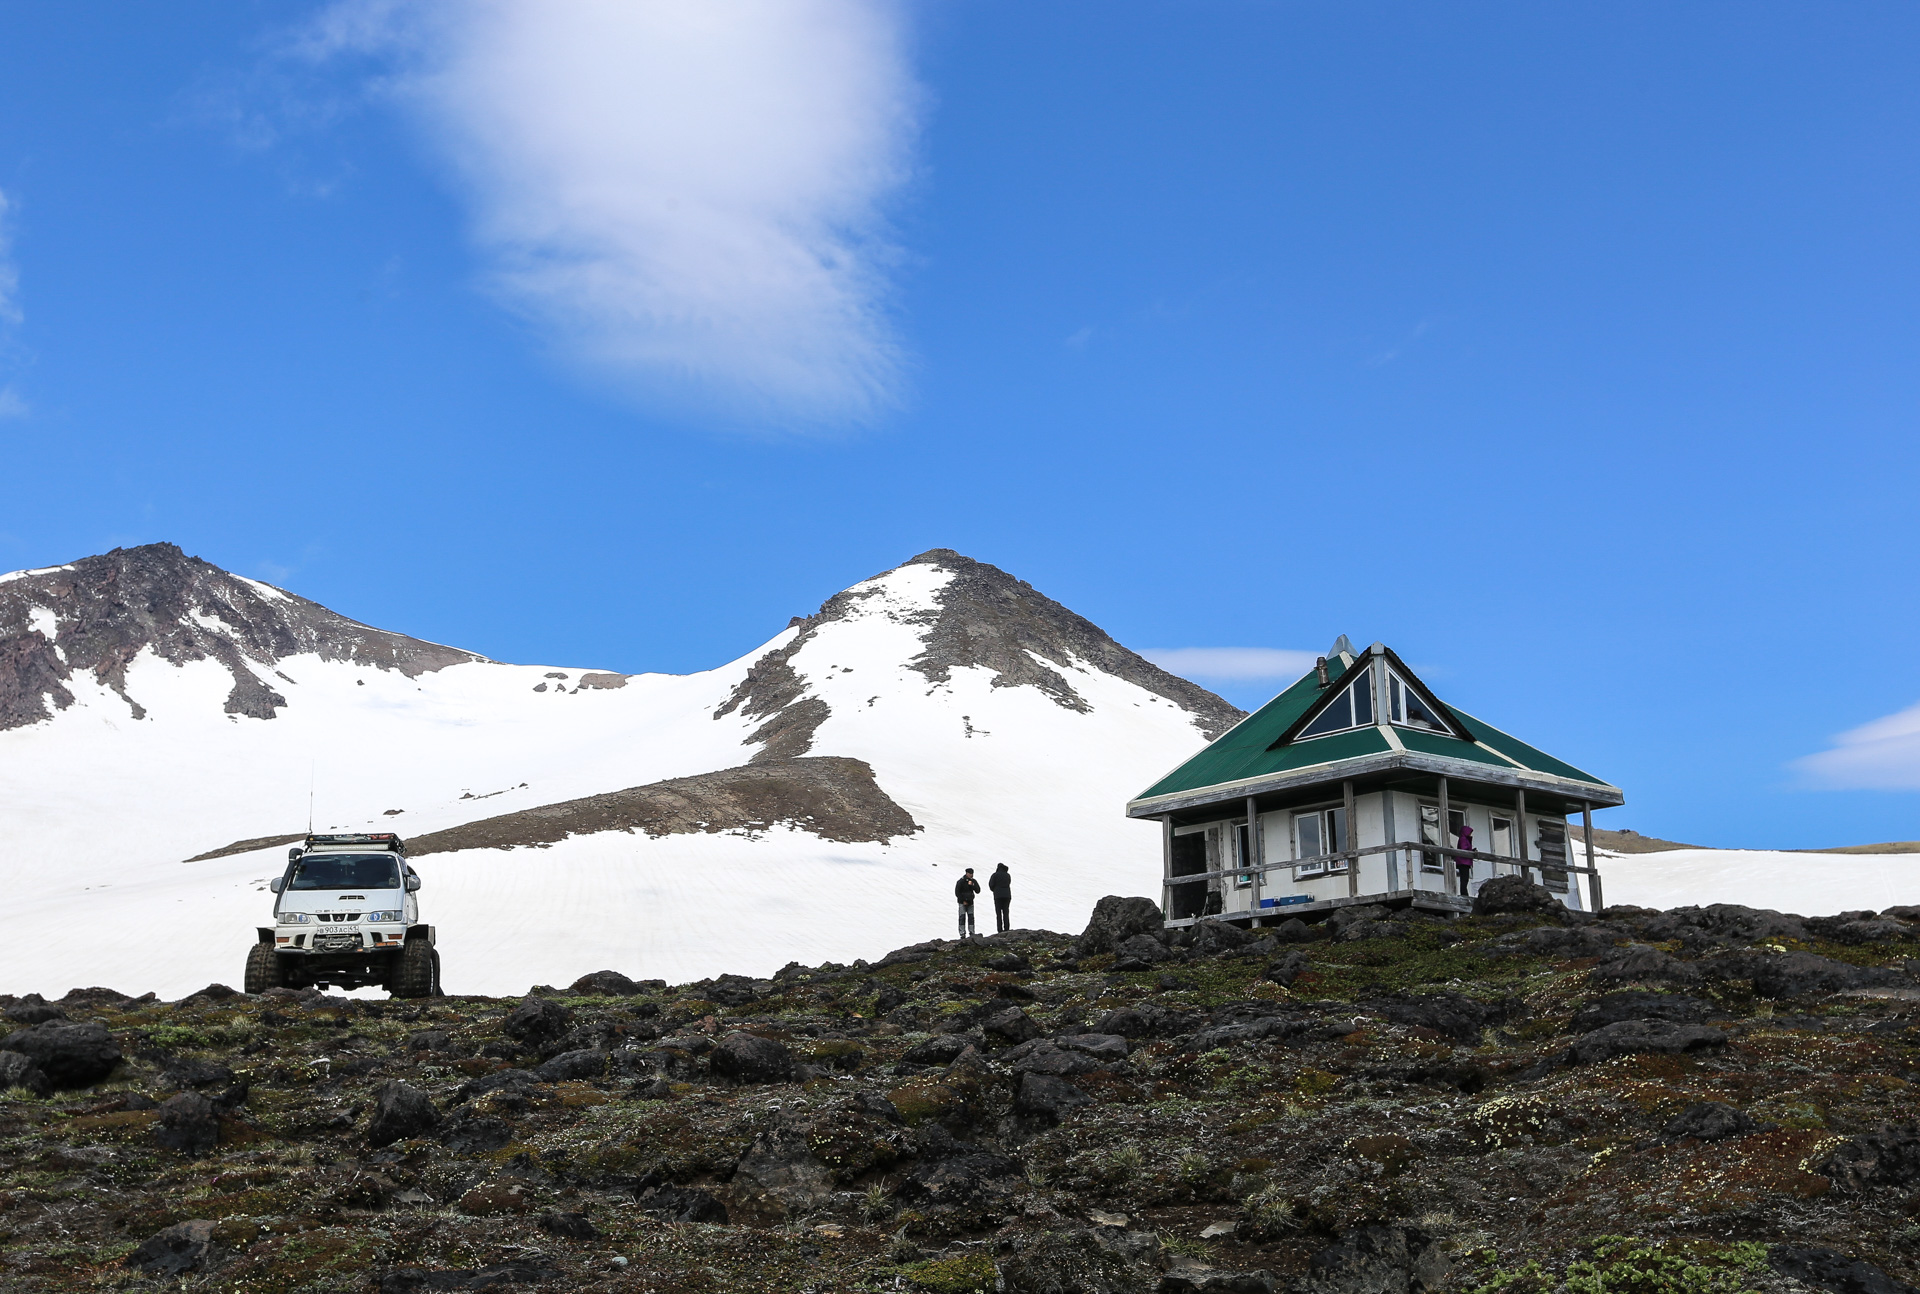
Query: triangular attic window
(1353, 708)
(1405, 707)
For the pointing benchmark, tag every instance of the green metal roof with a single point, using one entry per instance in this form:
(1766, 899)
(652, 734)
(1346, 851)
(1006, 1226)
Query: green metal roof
(1252, 748)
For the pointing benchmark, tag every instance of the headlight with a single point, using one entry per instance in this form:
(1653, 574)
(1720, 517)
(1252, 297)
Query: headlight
(294, 918)
(383, 916)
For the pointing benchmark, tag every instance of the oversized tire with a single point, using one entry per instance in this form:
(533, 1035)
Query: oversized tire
(418, 973)
(437, 990)
(264, 969)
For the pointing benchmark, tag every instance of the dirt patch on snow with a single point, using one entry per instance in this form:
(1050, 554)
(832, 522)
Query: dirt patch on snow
(247, 846)
(832, 797)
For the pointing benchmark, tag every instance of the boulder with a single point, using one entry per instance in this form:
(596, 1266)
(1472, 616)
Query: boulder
(1456, 1015)
(429, 1040)
(941, 1049)
(1284, 970)
(682, 1204)
(70, 1055)
(1829, 1270)
(1377, 1260)
(17, 1070)
(1712, 1121)
(1047, 1098)
(1516, 894)
(1054, 1262)
(1636, 1005)
(1114, 920)
(1211, 938)
(465, 1132)
(1887, 1156)
(400, 1111)
(1631, 1036)
(35, 1013)
(1011, 1025)
(1643, 965)
(1042, 1056)
(1101, 1046)
(185, 1072)
(1295, 931)
(1140, 948)
(189, 1124)
(778, 1177)
(1008, 963)
(1788, 975)
(536, 1020)
(570, 1226)
(748, 1058)
(959, 1180)
(175, 1251)
(605, 983)
(570, 1066)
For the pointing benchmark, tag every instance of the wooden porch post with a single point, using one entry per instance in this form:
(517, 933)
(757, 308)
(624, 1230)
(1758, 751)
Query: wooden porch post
(1353, 841)
(1166, 866)
(1593, 874)
(1258, 855)
(1447, 869)
(1520, 830)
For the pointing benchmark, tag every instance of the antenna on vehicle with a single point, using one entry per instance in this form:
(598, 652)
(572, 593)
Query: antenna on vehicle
(312, 766)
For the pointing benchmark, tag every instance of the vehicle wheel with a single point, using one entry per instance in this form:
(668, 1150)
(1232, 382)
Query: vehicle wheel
(437, 990)
(415, 975)
(264, 969)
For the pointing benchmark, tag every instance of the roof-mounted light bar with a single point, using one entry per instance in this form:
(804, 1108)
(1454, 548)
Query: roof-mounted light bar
(378, 839)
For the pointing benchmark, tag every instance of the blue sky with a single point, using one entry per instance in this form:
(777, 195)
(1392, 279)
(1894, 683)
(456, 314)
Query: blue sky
(1569, 349)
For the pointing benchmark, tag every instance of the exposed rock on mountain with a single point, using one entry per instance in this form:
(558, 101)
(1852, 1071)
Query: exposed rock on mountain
(832, 797)
(97, 614)
(983, 618)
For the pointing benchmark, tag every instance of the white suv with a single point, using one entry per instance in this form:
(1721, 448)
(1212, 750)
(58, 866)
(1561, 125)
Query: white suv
(345, 916)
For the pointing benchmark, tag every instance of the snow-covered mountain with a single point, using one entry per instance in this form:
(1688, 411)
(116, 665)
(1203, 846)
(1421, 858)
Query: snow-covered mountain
(163, 723)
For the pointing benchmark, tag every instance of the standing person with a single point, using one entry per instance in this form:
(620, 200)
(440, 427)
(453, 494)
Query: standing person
(964, 890)
(1464, 865)
(1001, 883)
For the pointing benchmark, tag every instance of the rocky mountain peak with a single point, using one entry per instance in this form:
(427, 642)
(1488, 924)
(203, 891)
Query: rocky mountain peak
(96, 615)
(981, 617)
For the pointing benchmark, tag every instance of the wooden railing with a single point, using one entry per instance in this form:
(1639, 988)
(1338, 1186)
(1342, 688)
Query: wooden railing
(1352, 858)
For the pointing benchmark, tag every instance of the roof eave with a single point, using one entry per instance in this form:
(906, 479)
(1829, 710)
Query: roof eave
(1600, 795)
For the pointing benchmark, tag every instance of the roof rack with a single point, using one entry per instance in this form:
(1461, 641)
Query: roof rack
(378, 839)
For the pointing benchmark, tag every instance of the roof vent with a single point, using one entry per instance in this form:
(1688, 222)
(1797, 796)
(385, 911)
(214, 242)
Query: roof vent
(1320, 669)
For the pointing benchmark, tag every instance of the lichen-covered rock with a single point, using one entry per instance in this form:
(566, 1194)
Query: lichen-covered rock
(1047, 1098)
(1011, 1025)
(1629, 1036)
(779, 1177)
(1115, 919)
(18, 1070)
(605, 983)
(68, 1053)
(1887, 1156)
(1829, 1270)
(749, 1058)
(569, 1066)
(400, 1111)
(1072, 1262)
(1516, 894)
(1377, 1260)
(189, 1124)
(536, 1020)
(175, 1251)
(1713, 1121)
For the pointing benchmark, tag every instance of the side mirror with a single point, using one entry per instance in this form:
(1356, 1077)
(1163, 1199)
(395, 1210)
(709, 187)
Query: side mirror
(413, 882)
(277, 884)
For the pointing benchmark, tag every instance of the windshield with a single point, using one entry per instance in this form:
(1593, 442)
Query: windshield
(345, 872)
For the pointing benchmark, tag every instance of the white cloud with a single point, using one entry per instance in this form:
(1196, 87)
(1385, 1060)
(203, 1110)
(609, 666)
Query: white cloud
(1882, 755)
(12, 405)
(688, 197)
(1232, 662)
(9, 273)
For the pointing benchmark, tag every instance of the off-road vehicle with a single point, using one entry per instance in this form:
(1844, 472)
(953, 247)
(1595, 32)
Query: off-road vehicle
(345, 916)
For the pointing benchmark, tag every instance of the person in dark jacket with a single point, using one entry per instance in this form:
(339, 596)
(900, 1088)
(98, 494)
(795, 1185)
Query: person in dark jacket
(964, 890)
(1001, 883)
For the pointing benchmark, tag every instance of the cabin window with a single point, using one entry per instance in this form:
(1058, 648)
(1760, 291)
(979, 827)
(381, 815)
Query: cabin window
(1243, 844)
(1406, 708)
(1502, 842)
(1430, 835)
(1353, 708)
(1315, 834)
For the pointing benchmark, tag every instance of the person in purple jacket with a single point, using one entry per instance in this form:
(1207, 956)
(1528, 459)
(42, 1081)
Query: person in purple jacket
(1464, 866)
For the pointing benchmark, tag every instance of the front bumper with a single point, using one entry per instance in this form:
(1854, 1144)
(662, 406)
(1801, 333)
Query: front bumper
(337, 940)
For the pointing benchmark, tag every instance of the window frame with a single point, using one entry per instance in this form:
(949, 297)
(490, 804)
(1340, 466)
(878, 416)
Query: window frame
(1349, 696)
(1323, 864)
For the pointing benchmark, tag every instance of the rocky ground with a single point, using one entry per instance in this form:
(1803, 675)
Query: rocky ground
(1700, 1101)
